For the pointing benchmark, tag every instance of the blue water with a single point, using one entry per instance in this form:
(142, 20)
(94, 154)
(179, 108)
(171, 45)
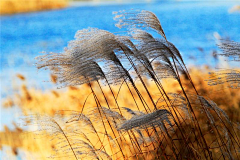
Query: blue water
(189, 25)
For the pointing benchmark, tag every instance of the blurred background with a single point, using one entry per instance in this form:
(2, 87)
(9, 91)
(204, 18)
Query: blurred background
(29, 28)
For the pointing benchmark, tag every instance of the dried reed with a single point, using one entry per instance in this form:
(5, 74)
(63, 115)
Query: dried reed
(179, 124)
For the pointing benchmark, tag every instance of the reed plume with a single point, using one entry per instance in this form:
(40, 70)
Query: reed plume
(146, 120)
(137, 18)
(230, 49)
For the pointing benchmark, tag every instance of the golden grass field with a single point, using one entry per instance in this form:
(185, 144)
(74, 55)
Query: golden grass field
(32, 101)
(22, 6)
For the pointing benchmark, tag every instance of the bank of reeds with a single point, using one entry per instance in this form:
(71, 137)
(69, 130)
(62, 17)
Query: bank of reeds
(22, 6)
(130, 111)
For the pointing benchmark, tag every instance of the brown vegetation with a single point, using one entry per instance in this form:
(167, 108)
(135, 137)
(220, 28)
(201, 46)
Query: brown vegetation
(50, 101)
(22, 6)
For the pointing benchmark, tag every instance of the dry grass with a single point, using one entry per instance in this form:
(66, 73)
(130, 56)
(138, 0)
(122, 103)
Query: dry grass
(141, 102)
(73, 98)
(31, 146)
(50, 101)
(22, 6)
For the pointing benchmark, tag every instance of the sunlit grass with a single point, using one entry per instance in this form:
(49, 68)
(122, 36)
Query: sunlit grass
(33, 101)
(73, 98)
(22, 6)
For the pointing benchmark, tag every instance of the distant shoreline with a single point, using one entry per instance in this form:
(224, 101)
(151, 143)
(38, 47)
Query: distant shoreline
(110, 2)
(235, 5)
(9, 7)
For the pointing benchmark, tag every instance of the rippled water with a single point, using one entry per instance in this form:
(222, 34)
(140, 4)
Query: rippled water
(188, 25)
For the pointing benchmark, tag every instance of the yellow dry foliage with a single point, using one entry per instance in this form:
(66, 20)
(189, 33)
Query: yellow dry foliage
(27, 141)
(22, 6)
(73, 98)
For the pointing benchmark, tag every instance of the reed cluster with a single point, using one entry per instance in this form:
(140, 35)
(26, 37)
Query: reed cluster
(130, 112)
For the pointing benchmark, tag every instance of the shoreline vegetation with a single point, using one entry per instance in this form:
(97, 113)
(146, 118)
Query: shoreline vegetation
(8, 7)
(14, 6)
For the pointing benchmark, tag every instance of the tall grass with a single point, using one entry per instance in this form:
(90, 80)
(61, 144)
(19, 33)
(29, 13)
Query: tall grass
(22, 6)
(132, 113)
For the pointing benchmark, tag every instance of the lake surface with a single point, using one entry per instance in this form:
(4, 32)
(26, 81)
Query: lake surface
(188, 25)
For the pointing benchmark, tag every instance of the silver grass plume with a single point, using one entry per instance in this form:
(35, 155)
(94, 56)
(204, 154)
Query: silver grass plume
(140, 60)
(79, 62)
(132, 112)
(115, 72)
(176, 56)
(93, 45)
(164, 70)
(136, 18)
(213, 106)
(58, 131)
(69, 70)
(82, 73)
(52, 60)
(101, 46)
(147, 120)
(154, 48)
(230, 49)
(110, 115)
(67, 133)
(231, 77)
(180, 103)
(148, 45)
(78, 119)
(84, 149)
(157, 53)
(173, 51)
(141, 138)
(112, 140)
